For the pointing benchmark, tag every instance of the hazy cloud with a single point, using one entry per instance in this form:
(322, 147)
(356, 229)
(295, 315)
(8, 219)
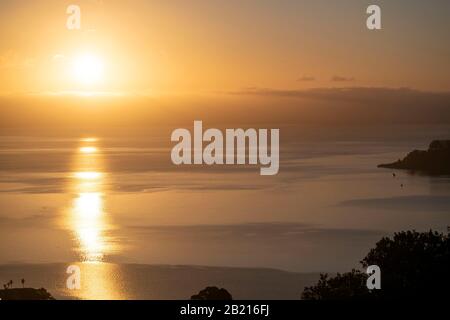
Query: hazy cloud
(347, 105)
(374, 105)
(356, 94)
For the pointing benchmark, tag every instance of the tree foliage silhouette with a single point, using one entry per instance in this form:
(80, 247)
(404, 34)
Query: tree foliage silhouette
(412, 264)
(212, 293)
(349, 285)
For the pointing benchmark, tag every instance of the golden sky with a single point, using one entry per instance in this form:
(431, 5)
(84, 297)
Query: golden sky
(171, 47)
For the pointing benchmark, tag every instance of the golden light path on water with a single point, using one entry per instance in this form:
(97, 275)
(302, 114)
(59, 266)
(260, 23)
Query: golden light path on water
(89, 223)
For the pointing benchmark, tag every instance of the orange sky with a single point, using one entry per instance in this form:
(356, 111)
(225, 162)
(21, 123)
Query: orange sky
(216, 46)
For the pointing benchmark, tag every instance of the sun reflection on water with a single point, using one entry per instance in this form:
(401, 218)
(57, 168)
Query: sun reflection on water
(88, 216)
(90, 225)
(88, 150)
(88, 175)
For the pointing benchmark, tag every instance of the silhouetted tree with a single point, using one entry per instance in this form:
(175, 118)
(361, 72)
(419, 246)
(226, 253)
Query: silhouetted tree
(412, 264)
(212, 293)
(349, 285)
(23, 282)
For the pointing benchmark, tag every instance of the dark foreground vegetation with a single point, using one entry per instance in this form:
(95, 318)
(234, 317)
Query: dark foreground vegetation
(25, 294)
(413, 265)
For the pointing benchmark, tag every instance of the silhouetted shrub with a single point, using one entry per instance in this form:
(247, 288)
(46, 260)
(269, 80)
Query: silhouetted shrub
(413, 265)
(25, 294)
(212, 293)
(350, 285)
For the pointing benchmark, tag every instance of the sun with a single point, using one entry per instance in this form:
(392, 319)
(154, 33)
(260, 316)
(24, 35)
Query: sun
(87, 69)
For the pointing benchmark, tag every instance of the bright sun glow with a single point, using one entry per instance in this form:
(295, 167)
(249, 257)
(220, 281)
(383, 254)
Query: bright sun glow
(88, 69)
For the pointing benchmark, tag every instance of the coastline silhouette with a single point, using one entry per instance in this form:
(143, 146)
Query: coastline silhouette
(435, 160)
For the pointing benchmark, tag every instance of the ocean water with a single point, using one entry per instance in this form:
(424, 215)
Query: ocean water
(159, 282)
(117, 205)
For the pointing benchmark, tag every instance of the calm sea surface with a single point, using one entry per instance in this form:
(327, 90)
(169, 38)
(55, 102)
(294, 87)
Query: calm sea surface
(113, 204)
